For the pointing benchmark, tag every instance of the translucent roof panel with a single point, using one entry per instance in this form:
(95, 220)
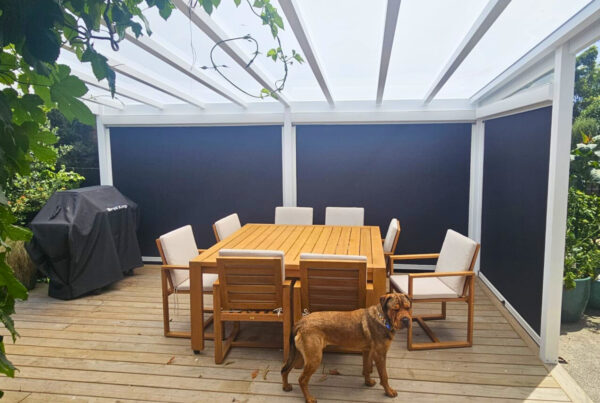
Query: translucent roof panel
(522, 25)
(301, 84)
(347, 37)
(422, 46)
(184, 39)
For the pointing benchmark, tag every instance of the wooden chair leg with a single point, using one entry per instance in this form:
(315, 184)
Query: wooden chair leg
(297, 305)
(218, 327)
(471, 306)
(287, 322)
(165, 300)
(409, 331)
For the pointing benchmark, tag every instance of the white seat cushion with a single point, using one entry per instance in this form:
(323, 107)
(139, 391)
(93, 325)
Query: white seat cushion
(294, 215)
(227, 226)
(456, 255)
(345, 216)
(393, 229)
(179, 247)
(208, 279)
(423, 288)
(255, 253)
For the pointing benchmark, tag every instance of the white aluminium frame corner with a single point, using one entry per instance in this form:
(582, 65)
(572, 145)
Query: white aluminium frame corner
(104, 152)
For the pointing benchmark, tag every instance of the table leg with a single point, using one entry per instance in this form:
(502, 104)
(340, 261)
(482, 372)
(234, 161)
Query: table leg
(379, 288)
(196, 307)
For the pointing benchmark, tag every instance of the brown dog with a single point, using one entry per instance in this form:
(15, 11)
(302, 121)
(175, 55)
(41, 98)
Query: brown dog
(369, 330)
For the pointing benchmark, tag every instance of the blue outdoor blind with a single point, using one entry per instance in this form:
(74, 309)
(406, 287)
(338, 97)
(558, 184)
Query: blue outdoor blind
(197, 175)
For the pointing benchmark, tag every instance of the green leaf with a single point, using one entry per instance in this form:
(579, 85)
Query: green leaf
(8, 279)
(44, 136)
(208, 6)
(237, 2)
(43, 153)
(298, 57)
(5, 112)
(216, 3)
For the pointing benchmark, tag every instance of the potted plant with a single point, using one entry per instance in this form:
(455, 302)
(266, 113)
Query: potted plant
(595, 292)
(582, 253)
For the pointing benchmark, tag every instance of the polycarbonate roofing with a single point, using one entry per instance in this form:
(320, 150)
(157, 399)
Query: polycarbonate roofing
(346, 37)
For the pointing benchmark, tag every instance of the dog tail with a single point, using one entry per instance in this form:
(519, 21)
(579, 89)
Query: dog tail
(293, 352)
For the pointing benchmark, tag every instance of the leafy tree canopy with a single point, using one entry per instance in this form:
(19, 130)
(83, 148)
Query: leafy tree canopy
(587, 80)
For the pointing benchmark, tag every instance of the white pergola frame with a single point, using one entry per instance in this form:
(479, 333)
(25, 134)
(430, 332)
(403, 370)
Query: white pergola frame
(500, 97)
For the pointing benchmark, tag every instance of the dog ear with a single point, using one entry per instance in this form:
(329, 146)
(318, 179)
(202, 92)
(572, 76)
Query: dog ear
(406, 302)
(383, 300)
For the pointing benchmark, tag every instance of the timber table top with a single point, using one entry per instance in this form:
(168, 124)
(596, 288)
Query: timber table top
(296, 239)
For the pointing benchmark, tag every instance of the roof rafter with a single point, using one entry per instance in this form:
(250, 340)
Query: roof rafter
(389, 31)
(161, 52)
(215, 33)
(91, 80)
(294, 19)
(482, 24)
(586, 17)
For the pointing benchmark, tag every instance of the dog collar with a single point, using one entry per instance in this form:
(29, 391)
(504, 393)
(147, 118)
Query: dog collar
(384, 321)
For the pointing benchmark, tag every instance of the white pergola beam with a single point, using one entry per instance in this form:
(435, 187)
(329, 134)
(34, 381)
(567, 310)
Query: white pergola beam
(207, 25)
(106, 101)
(586, 17)
(162, 53)
(120, 90)
(486, 19)
(153, 82)
(290, 10)
(556, 208)
(389, 31)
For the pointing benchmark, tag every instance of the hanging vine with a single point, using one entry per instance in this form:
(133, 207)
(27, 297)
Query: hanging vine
(269, 16)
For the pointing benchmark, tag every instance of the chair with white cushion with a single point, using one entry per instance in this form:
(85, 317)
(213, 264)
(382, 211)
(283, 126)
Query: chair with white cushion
(176, 249)
(294, 215)
(226, 226)
(251, 288)
(453, 280)
(390, 242)
(354, 216)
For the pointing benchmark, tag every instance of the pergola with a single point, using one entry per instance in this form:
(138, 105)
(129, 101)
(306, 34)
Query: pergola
(394, 63)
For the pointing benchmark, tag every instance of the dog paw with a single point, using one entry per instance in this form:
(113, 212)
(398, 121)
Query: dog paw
(287, 387)
(370, 382)
(391, 393)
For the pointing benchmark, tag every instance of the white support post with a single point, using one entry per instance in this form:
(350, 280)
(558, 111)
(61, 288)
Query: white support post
(104, 158)
(288, 160)
(556, 213)
(476, 182)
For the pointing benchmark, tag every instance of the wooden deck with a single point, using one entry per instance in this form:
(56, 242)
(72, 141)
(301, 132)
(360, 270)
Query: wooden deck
(110, 347)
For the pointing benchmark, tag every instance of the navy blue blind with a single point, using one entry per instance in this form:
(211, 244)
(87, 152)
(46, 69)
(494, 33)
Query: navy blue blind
(196, 175)
(515, 188)
(418, 173)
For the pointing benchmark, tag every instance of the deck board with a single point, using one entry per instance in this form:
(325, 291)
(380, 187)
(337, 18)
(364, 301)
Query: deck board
(110, 346)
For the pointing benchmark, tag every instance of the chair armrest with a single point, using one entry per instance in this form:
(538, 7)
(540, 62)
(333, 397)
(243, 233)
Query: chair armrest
(174, 267)
(287, 283)
(415, 256)
(202, 250)
(297, 285)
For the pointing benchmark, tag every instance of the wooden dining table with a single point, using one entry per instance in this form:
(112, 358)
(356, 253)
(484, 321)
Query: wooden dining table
(292, 240)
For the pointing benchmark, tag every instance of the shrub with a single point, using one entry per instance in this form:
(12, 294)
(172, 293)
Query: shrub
(24, 269)
(582, 246)
(584, 127)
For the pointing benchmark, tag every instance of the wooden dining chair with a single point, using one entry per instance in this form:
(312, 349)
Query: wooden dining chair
(176, 249)
(452, 281)
(330, 283)
(390, 242)
(345, 216)
(226, 226)
(294, 215)
(251, 288)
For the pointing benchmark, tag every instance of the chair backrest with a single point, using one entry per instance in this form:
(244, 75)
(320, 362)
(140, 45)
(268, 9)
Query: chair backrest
(333, 282)
(458, 253)
(294, 215)
(251, 279)
(226, 226)
(177, 247)
(391, 238)
(345, 216)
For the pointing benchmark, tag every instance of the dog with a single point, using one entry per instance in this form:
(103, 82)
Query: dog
(370, 330)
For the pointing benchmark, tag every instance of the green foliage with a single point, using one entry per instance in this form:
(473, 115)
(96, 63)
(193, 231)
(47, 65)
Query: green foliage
(28, 194)
(582, 126)
(585, 164)
(587, 80)
(582, 244)
(593, 108)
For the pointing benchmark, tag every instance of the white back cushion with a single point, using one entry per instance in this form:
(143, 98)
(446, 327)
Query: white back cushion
(345, 216)
(179, 247)
(227, 226)
(456, 255)
(255, 253)
(294, 215)
(393, 229)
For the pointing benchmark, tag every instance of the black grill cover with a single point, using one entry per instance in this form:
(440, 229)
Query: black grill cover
(85, 239)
